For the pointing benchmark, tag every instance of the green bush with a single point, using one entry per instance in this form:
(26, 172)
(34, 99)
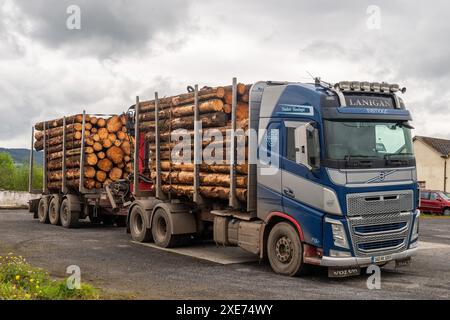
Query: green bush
(20, 281)
(15, 177)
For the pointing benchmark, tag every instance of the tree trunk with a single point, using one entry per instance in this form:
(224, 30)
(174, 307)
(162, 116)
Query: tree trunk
(204, 94)
(39, 145)
(206, 179)
(218, 119)
(205, 191)
(59, 122)
(209, 106)
(55, 132)
(167, 166)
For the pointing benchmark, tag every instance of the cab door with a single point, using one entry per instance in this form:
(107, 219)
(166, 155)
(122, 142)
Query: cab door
(301, 191)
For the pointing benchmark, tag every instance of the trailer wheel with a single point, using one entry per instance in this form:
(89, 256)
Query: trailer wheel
(139, 231)
(285, 250)
(53, 211)
(43, 210)
(161, 231)
(69, 219)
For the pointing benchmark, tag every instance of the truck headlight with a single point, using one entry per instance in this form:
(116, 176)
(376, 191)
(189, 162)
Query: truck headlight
(338, 230)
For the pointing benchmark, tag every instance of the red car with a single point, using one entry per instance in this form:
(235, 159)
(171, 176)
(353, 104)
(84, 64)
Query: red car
(436, 202)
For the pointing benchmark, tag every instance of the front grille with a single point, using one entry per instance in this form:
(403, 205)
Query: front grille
(379, 223)
(376, 203)
(380, 245)
(361, 230)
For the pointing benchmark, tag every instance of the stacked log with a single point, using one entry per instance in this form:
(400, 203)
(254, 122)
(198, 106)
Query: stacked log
(215, 108)
(107, 150)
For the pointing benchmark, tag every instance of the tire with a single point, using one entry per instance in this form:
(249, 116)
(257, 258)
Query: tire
(447, 212)
(161, 231)
(53, 211)
(69, 219)
(285, 250)
(138, 229)
(43, 211)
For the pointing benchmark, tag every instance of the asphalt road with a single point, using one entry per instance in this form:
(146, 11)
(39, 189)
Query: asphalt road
(122, 269)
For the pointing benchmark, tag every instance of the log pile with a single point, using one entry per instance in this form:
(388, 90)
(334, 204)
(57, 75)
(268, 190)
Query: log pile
(215, 108)
(107, 150)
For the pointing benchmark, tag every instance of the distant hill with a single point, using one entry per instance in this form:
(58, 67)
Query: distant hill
(23, 155)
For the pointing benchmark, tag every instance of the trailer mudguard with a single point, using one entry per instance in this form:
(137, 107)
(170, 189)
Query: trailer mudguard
(74, 202)
(182, 219)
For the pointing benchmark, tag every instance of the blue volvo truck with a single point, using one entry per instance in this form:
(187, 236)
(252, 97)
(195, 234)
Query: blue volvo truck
(331, 181)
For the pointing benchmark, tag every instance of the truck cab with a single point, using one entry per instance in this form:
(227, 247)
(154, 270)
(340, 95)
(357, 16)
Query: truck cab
(336, 163)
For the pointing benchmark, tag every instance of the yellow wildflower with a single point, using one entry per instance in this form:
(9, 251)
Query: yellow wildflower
(17, 277)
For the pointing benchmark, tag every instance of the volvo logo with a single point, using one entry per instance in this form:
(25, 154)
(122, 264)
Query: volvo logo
(381, 176)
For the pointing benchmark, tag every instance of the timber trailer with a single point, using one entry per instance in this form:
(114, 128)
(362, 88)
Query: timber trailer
(68, 204)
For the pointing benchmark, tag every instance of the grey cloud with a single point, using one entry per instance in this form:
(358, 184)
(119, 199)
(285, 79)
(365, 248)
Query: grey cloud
(108, 27)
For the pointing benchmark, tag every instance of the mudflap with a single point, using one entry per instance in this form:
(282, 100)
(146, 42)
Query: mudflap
(343, 272)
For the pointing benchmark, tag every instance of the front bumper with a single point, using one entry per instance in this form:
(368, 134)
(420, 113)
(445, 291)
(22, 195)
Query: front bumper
(363, 261)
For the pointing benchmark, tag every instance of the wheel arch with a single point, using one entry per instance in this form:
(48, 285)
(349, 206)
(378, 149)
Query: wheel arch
(273, 219)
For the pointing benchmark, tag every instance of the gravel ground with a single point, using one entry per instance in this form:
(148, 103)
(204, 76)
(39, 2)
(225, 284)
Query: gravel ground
(122, 269)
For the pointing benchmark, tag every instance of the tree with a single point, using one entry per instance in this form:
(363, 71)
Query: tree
(15, 178)
(6, 171)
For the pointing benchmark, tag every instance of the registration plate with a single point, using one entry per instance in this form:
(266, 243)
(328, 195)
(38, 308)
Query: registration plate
(381, 259)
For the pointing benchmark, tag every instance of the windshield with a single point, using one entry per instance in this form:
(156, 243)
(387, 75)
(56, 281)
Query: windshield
(347, 139)
(445, 196)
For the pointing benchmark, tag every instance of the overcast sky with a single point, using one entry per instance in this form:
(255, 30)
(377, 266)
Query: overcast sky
(129, 48)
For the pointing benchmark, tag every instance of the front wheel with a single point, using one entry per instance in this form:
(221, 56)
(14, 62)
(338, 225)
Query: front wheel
(285, 250)
(447, 212)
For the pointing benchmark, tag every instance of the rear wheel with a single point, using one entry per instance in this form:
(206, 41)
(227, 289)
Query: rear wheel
(447, 212)
(162, 231)
(43, 211)
(69, 219)
(53, 211)
(139, 231)
(285, 250)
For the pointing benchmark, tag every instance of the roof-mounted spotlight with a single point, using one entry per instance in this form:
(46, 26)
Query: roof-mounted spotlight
(375, 86)
(385, 87)
(343, 85)
(356, 86)
(394, 88)
(365, 86)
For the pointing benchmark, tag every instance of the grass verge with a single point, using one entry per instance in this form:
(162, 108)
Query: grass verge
(21, 281)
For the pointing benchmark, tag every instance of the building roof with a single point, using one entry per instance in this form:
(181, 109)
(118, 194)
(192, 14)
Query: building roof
(440, 145)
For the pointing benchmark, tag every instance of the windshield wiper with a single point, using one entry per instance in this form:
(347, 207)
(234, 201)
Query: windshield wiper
(357, 161)
(398, 159)
(393, 155)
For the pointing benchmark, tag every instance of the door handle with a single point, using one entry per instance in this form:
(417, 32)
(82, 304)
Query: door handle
(288, 192)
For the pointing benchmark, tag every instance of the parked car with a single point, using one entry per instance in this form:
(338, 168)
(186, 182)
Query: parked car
(437, 202)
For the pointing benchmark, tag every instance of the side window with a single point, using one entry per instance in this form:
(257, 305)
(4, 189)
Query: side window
(302, 144)
(425, 195)
(434, 196)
